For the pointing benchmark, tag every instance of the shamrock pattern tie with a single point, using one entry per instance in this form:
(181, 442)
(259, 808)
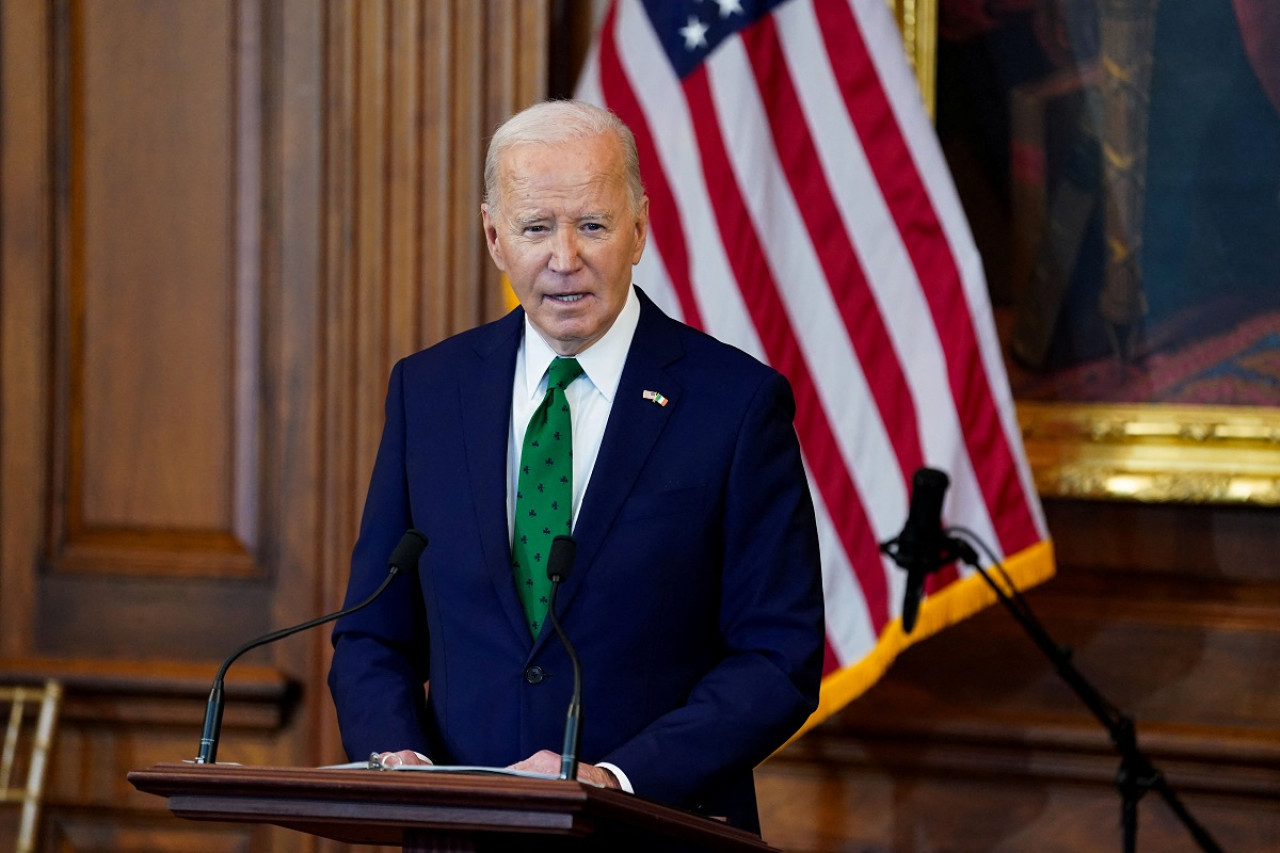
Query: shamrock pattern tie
(544, 491)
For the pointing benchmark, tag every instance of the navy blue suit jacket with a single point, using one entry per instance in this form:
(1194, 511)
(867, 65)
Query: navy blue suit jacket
(695, 603)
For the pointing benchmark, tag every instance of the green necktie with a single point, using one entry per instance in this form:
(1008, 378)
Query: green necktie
(544, 491)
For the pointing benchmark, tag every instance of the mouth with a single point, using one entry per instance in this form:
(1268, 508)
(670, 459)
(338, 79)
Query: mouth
(566, 298)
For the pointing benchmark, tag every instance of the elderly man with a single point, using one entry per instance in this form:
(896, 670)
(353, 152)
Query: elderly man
(695, 604)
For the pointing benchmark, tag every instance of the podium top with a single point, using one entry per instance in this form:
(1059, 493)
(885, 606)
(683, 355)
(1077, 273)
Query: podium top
(412, 809)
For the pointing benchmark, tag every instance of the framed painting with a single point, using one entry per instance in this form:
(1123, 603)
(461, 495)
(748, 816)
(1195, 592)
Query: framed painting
(1119, 161)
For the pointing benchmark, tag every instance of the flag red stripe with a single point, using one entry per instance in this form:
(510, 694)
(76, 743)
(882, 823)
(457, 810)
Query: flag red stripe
(760, 294)
(904, 192)
(665, 223)
(830, 660)
(845, 277)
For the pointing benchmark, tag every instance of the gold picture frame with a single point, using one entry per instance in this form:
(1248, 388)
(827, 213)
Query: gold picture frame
(1145, 452)
(1154, 452)
(918, 20)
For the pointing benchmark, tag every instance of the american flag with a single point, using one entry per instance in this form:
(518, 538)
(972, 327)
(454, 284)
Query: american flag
(801, 209)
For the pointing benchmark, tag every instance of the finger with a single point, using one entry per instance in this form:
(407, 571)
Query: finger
(387, 760)
(390, 760)
(543, 761)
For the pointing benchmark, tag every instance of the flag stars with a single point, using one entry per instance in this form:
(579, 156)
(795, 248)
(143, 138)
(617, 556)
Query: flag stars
(729, 7)
(694, 33)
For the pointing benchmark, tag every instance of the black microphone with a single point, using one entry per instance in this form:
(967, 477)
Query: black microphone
(921, 548)
(559, 563)
(403, 558)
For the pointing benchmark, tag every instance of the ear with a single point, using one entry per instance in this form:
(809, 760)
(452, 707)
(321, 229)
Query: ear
(487, 217)
(642, 230)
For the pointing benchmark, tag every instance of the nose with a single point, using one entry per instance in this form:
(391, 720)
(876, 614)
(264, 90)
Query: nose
(564, 251)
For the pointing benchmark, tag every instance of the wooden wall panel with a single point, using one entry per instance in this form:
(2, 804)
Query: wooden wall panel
(152, 239)
(135, 548)
(222, 223)
(157, 116)
(156, 278)
(26, 257)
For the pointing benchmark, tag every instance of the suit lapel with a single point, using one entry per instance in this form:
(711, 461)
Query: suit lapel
(486, 415)
(634, 426)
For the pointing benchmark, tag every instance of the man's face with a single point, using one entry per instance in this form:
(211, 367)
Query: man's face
(563, 232)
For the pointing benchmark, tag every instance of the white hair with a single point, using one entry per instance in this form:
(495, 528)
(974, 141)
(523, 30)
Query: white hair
(553, 122)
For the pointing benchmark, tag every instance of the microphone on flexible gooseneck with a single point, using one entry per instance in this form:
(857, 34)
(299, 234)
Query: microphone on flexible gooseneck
(559, 563)
(922, 547)
(404, 557)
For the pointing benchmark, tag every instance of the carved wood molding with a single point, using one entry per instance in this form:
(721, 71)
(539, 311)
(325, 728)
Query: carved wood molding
(1220, 761)
(161, 692)
(156, 277)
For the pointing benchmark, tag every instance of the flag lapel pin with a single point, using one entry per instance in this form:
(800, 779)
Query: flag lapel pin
(655, 397)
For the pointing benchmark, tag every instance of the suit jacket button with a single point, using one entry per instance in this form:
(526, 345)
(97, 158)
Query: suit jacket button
(534, 674)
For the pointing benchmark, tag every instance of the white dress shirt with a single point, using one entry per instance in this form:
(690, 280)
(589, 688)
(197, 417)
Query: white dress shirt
(590, 399)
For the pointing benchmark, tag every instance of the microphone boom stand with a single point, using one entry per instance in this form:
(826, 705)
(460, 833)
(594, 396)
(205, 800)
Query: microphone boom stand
(564, 550)
(1136, 775)
(404, 558)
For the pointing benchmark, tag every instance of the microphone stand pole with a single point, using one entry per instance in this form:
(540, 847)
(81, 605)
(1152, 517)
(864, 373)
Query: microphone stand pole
(1137, 775)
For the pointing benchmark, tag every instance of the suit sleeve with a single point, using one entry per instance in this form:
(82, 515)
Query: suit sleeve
(771, 628)
(380, 653)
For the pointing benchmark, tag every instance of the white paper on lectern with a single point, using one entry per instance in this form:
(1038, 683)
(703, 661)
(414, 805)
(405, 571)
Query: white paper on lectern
(444, 768)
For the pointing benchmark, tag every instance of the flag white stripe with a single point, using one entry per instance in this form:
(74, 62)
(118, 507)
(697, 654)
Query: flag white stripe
(900, 88)
(651, 275)
(815, 319)
(890, 273)
(869, 223)
(849, 623)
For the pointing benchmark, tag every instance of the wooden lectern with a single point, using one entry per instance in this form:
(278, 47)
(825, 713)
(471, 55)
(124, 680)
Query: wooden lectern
(436, 811)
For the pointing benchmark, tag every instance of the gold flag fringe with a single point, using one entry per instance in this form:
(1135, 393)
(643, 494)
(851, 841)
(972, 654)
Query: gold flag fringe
(959, 600)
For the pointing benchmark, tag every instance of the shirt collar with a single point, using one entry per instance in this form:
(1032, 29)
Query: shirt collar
(602, 362)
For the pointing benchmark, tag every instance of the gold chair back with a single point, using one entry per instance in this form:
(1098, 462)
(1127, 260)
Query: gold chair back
(32, 715)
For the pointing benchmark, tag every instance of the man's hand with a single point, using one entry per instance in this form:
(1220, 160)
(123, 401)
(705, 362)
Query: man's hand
(546, 761)
(404, 756)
